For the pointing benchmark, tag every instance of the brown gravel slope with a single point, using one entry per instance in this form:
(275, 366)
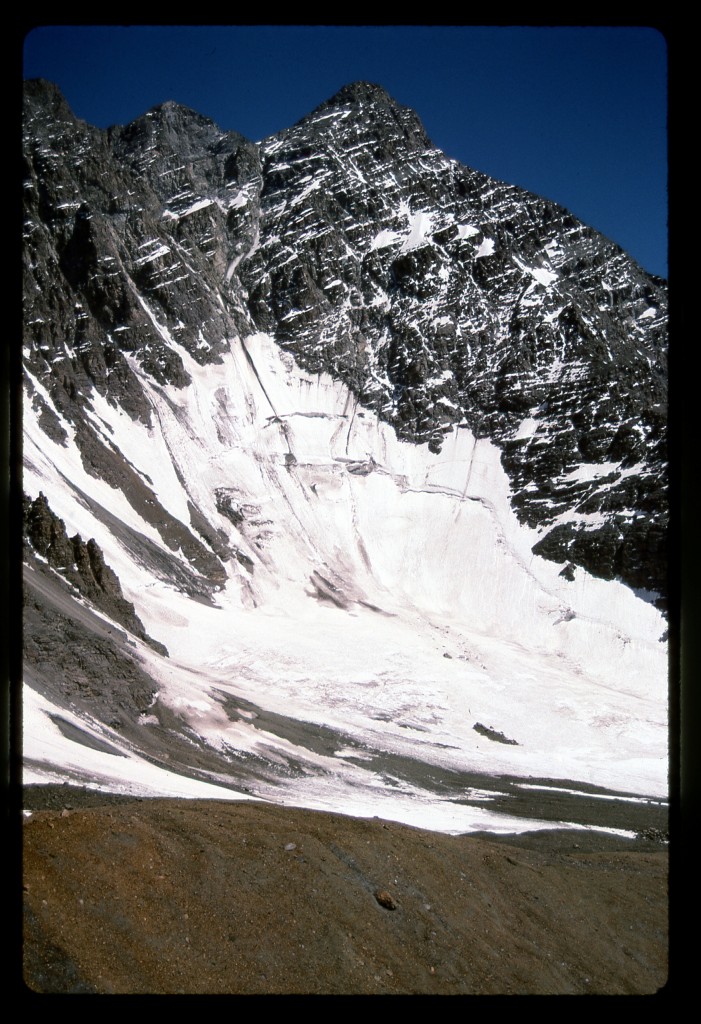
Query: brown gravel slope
(171, 896)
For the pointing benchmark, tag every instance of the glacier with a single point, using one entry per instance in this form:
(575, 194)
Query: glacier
(385, 601)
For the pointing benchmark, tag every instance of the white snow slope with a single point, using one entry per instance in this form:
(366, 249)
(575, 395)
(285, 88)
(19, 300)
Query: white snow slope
(393, 597)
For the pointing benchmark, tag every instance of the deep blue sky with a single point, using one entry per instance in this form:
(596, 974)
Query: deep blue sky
(574, 114)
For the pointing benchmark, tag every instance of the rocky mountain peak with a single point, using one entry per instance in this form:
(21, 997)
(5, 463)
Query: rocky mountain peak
(315, 408)
(41, 93)
(440, 297)
(373, 112)
(361, 92)
(176, 116)
(169, 129)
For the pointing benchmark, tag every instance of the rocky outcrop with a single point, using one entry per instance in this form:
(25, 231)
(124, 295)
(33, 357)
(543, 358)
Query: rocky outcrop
(81, 564)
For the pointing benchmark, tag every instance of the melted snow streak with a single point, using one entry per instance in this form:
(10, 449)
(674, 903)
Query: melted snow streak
(377, 601)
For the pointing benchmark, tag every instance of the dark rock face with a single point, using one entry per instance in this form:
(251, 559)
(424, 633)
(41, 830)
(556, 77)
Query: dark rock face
(94, 676)
(438, 295)
(81, 564)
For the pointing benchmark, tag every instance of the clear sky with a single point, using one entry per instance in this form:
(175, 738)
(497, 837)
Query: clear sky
(575, 114)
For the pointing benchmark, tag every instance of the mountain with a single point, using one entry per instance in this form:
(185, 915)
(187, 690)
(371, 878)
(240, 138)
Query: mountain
(374, 447)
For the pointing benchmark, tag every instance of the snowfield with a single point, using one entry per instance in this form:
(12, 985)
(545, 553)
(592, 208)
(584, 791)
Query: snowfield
(384, 593)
